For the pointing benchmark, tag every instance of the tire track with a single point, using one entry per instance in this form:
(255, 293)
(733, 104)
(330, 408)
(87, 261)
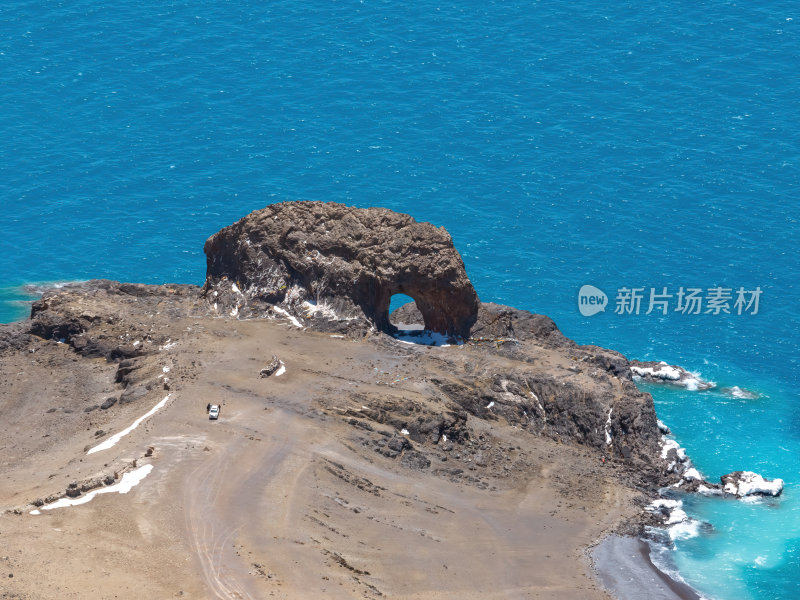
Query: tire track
(209, 535)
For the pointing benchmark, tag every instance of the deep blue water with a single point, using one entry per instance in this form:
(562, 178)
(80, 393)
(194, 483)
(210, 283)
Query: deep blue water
(615, 144)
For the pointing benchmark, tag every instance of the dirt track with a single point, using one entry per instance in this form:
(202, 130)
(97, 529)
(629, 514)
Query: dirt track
(282, 497)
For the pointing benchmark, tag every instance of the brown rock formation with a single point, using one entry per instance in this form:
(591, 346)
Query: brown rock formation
(342, 262)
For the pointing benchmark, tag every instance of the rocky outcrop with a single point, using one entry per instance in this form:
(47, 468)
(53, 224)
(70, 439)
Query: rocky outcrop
(271, 368)
(619, 422)
(661, 372)
(94, 317)
(747, 483)
(326, 262)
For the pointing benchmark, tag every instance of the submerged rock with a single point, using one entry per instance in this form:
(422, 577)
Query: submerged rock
(747, 483)
(661, 372)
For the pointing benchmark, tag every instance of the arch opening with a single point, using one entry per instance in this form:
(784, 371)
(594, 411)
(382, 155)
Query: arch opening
(404, 314)
(408, 324)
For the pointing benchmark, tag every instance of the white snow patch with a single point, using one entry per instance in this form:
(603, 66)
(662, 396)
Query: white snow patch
(112, 441)
(235, 289)
(281, 370)
(404, 431)
(608, 427)
(292, 319)
(165, 369)
(444, 437)
(136, 343)
(127, 483)
(490, 405)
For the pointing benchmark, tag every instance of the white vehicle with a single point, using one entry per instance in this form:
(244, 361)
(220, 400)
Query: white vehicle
(213, 412)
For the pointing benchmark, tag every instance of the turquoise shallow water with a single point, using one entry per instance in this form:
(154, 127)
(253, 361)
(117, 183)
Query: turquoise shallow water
(639, 145)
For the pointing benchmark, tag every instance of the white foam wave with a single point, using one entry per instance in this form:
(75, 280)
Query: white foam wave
(693, 474)
(737, 392)
(750, 483)
(685, 530)
(665, 372)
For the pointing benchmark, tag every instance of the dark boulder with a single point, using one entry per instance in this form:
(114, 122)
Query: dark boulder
(271, 368)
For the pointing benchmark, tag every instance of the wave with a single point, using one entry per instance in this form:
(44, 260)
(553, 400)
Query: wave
(16, 300)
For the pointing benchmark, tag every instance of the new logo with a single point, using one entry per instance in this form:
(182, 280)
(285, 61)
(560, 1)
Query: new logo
(591, 300)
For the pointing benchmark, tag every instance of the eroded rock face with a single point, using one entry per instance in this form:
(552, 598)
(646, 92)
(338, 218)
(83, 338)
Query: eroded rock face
(337, 262)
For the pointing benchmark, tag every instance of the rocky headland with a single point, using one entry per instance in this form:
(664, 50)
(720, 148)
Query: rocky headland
(357, 452)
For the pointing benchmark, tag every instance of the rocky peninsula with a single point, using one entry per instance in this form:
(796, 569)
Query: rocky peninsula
(452, 447)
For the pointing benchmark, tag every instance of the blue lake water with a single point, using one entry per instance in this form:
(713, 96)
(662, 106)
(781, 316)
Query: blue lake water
(640, 145)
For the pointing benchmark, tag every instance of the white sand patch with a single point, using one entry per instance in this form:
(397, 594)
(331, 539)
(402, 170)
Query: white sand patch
(127, 483)
(288, 315)
(112, 441)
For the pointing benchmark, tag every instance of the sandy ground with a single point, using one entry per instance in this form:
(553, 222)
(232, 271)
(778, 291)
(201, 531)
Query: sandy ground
(624, 567)
(280, 497)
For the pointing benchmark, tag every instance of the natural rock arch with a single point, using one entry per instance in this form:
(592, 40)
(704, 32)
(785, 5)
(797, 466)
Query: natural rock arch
(349, 260)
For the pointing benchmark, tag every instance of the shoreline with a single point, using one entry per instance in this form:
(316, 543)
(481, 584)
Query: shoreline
(623, 566)
(326, 466)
